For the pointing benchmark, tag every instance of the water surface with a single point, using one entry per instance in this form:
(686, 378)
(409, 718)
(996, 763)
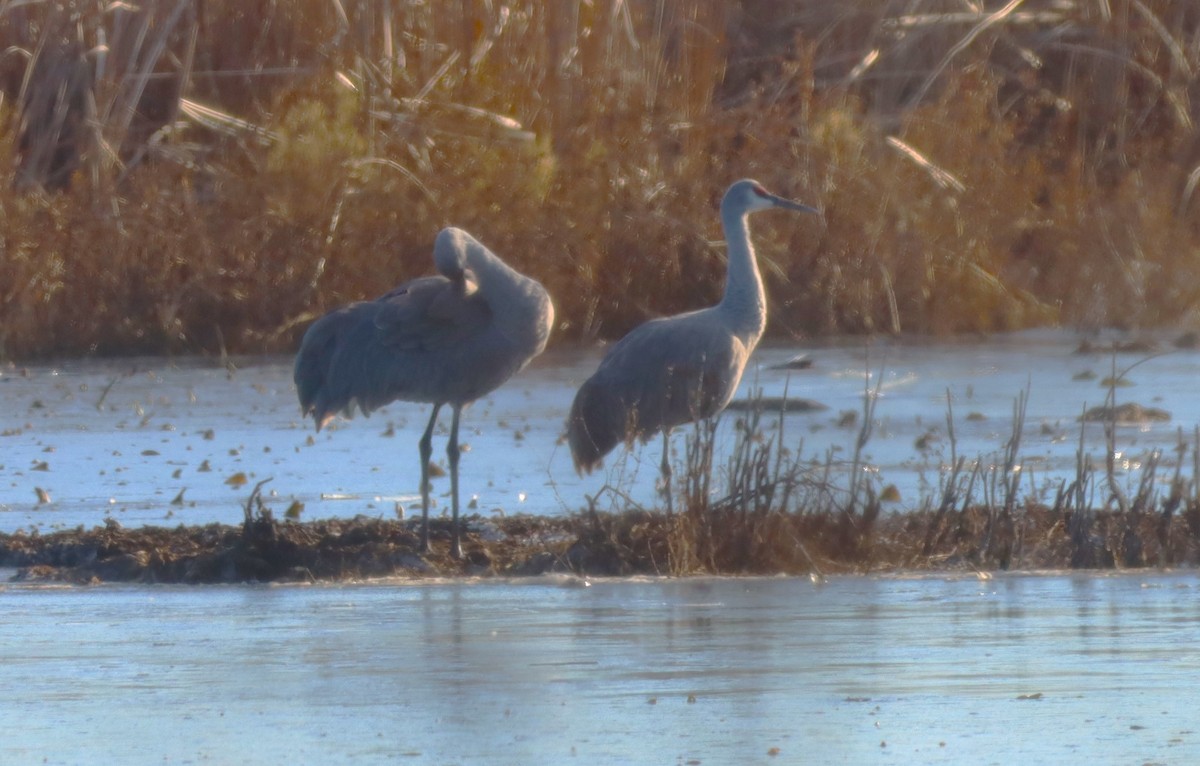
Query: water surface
(123, 439)
(929, 670)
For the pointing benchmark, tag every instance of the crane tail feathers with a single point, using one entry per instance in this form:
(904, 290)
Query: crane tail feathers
(323, 387)
(595, 426)
(322, 420)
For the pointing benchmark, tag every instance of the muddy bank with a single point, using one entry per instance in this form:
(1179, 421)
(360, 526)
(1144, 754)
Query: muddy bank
(267, 550)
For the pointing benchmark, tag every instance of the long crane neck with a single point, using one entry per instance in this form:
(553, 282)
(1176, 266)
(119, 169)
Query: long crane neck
(744, 305)
(520, 305)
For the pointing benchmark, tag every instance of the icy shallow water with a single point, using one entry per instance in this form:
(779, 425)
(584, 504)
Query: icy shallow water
(126, 438)
(1017, 669)
(1086, 668)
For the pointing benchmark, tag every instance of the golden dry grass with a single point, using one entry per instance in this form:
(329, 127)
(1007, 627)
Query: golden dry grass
(243, 167)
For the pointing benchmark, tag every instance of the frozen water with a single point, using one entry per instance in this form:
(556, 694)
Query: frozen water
(930, 670)
(1049, 668)
(123, 439)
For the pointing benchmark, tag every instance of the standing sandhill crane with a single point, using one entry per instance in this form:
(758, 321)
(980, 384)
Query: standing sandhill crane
(678, 369)
(445, 339)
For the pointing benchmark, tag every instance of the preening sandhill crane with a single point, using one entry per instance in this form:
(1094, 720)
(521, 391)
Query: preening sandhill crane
(682, 368)
(445, 339)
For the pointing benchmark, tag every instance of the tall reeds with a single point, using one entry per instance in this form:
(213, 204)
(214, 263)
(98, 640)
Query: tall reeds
(195, 176)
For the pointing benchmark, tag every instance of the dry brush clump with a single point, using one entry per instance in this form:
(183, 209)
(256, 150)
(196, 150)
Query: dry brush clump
(764, 508)
(196, 176)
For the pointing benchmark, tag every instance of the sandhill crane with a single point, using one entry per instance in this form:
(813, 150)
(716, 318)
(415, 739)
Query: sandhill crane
(445, 339)
(682, 368)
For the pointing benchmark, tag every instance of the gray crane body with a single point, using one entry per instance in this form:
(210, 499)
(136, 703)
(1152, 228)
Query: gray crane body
(445, 339)
(683, 368)
(698, 365)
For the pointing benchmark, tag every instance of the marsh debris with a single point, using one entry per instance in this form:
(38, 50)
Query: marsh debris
(797, 362)
(636, 542)
(776, 404)
(1129, 413)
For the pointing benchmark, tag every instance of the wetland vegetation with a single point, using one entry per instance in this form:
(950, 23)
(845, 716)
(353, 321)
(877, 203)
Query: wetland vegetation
(203, 178)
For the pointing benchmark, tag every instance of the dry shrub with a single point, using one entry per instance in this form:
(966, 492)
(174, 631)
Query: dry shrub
(764, 512)
(240, 167)
(763, 508)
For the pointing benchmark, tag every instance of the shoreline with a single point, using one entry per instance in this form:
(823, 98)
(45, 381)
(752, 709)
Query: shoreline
(635, 543)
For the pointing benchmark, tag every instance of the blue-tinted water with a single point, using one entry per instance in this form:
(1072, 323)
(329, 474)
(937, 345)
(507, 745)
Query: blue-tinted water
(1082, 668)
(1017, 669)
(126, 438)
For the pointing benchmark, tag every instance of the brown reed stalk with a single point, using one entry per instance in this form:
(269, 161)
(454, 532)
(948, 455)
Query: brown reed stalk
(981, 168)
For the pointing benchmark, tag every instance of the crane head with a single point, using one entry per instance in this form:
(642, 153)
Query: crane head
(747, 196)
(450, 252)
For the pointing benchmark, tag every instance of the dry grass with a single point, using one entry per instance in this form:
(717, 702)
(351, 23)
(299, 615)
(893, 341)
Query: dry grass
(766, 510)
(234, 169)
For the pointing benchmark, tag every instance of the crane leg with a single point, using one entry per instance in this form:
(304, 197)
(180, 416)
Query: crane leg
(666, 469)
(426, 448)
(452, 455)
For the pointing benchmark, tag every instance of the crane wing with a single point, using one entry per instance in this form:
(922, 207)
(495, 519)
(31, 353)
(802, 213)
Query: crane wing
(675, 371)
(665, 373)
(431, 313)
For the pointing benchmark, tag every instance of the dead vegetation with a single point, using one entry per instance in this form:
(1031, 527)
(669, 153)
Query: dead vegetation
(200, 177)
(1040, 537)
